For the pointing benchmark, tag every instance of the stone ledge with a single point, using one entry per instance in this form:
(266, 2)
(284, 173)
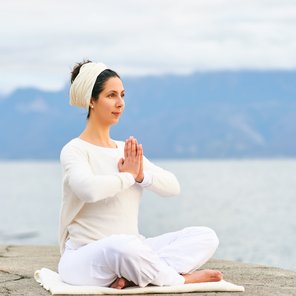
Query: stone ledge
(18, 264)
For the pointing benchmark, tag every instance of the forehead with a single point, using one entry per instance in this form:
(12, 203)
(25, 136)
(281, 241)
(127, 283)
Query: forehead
(114, 83)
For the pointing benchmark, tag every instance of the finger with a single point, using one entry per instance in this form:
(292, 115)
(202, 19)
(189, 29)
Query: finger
(125, 149)
(140, 176)
(136, 143)
(120, 164)
(129, 145)
(133, 148)
(129, 148)
(140, 150)
(140, 158)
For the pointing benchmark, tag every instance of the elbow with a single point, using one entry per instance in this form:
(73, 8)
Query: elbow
(88, 197)
(92, 194)
(175, 189)
(85, 192)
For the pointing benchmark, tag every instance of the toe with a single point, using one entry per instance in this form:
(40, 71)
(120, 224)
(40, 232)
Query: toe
(217, 275)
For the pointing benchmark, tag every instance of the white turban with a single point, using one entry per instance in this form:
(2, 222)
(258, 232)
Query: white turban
(82, 86)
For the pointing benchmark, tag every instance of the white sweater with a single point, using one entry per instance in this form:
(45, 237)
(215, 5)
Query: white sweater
(98, 200)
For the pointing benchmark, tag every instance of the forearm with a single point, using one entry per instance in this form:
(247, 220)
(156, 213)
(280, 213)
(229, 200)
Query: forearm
(88, 186)
(98, 187)
(161, 181)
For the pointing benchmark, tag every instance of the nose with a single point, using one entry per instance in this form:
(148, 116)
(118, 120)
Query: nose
(120, 102)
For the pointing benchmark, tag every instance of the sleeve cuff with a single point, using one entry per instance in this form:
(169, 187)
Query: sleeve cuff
(127, 180)
(147, 181)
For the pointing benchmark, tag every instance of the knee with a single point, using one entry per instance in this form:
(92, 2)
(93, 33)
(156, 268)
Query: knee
(212, 238)
(205, 234)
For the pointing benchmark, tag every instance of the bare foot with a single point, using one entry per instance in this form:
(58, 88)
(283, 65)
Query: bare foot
(206, 275)
(121, 283)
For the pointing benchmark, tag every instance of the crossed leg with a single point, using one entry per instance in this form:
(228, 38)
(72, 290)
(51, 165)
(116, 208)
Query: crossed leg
(185, 251)
(199, 276)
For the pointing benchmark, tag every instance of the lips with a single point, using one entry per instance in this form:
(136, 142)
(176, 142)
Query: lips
(116, 113)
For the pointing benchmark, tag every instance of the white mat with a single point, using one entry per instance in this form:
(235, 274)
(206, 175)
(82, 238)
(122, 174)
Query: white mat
(51, 281)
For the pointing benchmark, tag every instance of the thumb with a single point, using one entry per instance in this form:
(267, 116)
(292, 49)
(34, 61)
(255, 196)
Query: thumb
(120, 163)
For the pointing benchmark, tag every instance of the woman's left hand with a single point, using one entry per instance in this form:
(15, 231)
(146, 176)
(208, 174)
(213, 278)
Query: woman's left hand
(139, 151)
(140, 176)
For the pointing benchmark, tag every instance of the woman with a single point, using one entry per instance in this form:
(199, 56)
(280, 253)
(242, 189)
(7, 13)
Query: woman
(103, 181)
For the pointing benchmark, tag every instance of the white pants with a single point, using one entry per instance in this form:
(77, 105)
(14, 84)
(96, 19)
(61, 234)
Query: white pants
(159, 260)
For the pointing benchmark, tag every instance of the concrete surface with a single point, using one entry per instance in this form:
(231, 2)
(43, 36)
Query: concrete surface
(18, 263)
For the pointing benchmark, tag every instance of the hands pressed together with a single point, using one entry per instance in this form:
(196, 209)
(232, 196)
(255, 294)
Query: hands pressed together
(133, 159)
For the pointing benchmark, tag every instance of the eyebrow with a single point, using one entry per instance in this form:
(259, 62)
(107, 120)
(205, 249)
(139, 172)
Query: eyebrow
(112, 90)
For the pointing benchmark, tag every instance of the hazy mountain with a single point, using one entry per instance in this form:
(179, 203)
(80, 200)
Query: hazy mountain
(211, 114)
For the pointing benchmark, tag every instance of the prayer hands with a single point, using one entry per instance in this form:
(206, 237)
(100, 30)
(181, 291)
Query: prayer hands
(133, 159)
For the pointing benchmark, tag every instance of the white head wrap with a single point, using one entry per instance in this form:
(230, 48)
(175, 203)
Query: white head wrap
(82, 86)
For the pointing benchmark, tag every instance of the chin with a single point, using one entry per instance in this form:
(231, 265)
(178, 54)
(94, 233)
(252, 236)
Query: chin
(114, 122)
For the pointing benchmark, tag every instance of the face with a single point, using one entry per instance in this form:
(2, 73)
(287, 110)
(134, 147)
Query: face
(110, 105)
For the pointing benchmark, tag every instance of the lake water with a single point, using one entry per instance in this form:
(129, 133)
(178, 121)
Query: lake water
(251, 204)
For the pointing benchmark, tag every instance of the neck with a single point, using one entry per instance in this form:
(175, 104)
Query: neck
(97, 135)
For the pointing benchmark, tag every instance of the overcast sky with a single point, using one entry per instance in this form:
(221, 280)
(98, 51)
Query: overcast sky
(41, 40)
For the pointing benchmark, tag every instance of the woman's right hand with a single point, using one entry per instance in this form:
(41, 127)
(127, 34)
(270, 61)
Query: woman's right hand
(133, 157)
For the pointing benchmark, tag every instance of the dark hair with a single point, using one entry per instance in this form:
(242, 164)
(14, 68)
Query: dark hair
(100, 81)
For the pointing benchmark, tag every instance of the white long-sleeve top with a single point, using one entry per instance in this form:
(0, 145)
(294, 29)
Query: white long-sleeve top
(98, 200)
